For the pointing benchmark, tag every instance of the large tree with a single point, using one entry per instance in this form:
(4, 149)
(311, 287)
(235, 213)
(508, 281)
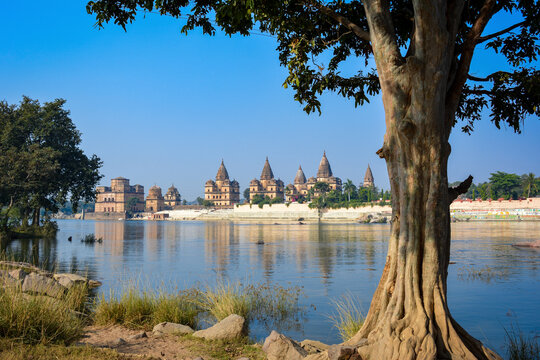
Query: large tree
(41, 163)
(422, 52)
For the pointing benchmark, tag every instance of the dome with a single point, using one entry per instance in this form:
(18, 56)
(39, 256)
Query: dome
(254, 182)
(312, 180)
(300, 178)
(325, 171)
(267, 173)
(154, 192)
(210, 183)
(222, 173)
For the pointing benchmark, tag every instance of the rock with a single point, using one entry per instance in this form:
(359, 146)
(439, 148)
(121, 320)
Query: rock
(118, 342)
(137, 336)
(232, 327)
(280, 347)
(68, 280)
(341, 352)
(171, 328)
(18, 274)
(40, 284)
(94, 284)
(6, 280)
(313, 346)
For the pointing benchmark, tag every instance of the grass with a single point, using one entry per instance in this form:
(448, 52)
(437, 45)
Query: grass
(520, 346)
(348, 317)
(224, 349)
(10, 350)
(91, 239)
(136, 309)
(143, 309)
(485, 273)
(41, 319)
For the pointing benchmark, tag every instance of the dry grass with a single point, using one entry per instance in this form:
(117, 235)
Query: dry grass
(348, 316)
(521, 347)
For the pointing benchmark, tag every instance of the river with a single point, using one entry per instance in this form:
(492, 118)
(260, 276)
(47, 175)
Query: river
(492, 285)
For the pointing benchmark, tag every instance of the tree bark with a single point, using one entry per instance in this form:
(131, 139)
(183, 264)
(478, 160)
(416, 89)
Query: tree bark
(409, 316)
(35, 217)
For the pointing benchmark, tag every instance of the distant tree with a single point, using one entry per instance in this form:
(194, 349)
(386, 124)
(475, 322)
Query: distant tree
(529, 182)
(483, 191)
(505, 185)
(349, 188)
(184, 202)
(246, 194)
(321, 188)
(207, 203)
(418, 54)
(199, 200)
(132, 204)
(42, 166)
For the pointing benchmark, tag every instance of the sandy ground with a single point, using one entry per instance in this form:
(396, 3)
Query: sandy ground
(153, 347)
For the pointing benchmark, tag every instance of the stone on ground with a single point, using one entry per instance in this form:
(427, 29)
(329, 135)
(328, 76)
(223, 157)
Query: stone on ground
(232, 327)
(171, 328)
(68, 280)
(313, 346)
(341, 352)
(280, 347)
(18, 274)
(41, 284)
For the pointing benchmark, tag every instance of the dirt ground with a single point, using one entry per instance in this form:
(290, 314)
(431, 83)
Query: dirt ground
(164, 347)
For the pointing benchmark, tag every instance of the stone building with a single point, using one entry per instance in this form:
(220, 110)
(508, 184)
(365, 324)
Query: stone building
(118, 197)
(368, 178)
(324, 174)
(222, 191)
(172, 197)
(266, 185)
(299, 187)
(154, 200)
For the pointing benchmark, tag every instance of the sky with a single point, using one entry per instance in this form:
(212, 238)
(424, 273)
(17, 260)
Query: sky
(163, 108)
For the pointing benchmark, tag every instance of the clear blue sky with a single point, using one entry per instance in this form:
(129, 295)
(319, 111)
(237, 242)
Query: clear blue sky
(159, 107)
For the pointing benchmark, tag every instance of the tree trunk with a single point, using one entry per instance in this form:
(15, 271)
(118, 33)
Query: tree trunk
(35, 217)
(409, 316)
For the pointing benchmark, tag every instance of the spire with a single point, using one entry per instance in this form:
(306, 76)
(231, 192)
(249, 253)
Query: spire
(325, 171)
(300, 177)
(368, 178)
(222, 173)
(267, 173)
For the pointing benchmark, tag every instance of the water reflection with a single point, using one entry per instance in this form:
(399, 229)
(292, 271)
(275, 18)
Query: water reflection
(327, 260)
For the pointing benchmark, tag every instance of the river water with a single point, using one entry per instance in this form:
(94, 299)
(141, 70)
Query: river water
(326, 260)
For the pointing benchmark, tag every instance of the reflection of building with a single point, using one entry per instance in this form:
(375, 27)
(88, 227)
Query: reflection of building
(222, 192)
(120, 197)
(172, 197)
(368, 178)
(267, 185)
(154, 200)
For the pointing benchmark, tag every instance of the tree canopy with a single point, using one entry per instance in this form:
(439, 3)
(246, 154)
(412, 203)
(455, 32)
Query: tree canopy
(315, 38)
(41, 163)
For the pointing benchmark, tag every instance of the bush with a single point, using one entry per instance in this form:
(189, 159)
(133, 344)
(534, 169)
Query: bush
(521, 347)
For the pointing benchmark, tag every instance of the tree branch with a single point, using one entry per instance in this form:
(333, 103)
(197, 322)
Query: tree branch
(357, 30)
(489, 8)
(498, 33)
(462, 188)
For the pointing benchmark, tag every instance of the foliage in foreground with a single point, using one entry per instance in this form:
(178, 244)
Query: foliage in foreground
(41, 319)
(521, 347)
(13, 350)
(348, 316)
(134, 308)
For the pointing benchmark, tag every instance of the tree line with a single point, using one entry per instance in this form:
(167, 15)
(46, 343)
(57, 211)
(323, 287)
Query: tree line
(504, 185)
(42, 166)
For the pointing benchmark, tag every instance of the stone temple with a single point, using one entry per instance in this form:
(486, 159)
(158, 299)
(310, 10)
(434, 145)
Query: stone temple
(118, 197)
(222, 191)
(266, 185)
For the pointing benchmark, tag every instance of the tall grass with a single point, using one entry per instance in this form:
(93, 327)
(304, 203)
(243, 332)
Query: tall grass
(521, 347)
(41, 319)
(143, 309)
(348, 317)
(139, 308)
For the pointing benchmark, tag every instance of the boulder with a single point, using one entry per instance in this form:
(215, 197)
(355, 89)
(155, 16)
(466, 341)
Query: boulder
(68, 280)
(41, 284)
(171, 328)
(341, 352)
(313, 346)
(232, 327)
(18, 274)
(137, 336)
(280, 347)
(6, 280)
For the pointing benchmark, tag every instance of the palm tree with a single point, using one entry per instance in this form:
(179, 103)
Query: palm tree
(321, 188)
(529, 183)
(349, 188)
